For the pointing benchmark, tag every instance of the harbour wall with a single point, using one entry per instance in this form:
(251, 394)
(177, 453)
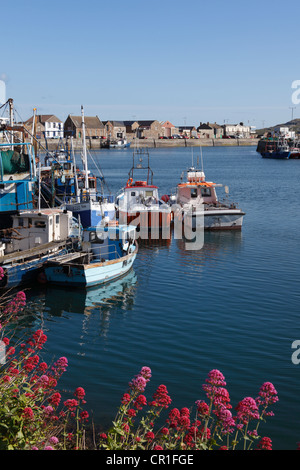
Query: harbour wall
(95, 144)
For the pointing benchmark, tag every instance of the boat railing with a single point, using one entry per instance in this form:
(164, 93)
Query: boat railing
(102, 254)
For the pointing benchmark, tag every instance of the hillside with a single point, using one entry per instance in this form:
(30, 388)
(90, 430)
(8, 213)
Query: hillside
(293, 125)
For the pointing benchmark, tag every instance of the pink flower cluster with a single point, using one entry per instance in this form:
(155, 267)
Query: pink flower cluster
(138, 384)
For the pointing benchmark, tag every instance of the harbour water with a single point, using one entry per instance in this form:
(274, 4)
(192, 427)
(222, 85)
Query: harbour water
(232, 306)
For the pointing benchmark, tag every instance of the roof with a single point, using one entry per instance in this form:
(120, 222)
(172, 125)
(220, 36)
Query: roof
(42, 118)
(91, 122)
(116, 123)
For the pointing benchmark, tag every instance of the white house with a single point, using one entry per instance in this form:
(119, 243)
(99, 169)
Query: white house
(237, 130)
(47, 126)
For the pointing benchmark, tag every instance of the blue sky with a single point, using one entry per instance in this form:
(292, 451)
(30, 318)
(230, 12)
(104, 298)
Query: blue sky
(168, 60)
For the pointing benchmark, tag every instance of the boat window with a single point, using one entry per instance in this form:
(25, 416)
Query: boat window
(57, 219)
(40, 224)
(92, 236)
(205, 192)
(21, 222)
(148, 193)
(132, 193)
(194, 192)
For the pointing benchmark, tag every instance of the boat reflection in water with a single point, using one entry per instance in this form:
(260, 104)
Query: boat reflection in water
(102, 299)
(216, 247)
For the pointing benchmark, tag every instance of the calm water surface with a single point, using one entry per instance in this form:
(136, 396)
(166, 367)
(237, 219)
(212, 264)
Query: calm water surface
(234, 305)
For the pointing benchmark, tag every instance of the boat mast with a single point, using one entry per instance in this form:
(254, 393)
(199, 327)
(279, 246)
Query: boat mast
(75, 171)
(11, 118)
(84, 151)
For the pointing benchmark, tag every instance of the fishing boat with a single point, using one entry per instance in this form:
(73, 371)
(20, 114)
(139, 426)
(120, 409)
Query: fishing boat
(277, 150)
(107, 253)
(35, 236)
(119, 144)
(90, 205)
(196, 204)
(139, 202)
(17, 179)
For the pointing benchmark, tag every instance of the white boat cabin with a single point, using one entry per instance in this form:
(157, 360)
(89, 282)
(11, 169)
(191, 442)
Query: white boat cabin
(35, 228)
(196, 190)
(138, 194)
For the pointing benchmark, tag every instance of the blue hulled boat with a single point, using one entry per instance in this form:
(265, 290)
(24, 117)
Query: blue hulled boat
(107, 254)
(280, 150)
(89, 205)
(17, 179)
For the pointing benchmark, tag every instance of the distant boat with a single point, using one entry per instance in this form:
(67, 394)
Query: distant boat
(139, 202)
(119, 144)
(277, 150)
(197, 205)
(107, 254)
(35, 236)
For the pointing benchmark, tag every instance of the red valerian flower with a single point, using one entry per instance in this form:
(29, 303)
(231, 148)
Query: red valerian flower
(267, 394)
(202, 408)
(28, 413)
(161, 397)
(265, 444)
(247, 409)
(140, 402)
(71, 404)
(125, 399)
(84, 415)
(174, 416)
(149, 436)
(55, 399)
(79, 393)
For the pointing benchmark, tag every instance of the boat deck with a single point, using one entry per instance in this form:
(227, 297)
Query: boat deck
(33, 252)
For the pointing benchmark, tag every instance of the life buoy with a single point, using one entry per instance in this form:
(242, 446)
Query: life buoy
(129, 182)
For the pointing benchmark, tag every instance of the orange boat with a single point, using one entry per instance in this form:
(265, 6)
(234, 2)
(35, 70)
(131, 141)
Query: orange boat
(198, 206)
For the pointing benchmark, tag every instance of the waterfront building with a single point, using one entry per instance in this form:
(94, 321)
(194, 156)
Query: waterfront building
(237, 130)
(145, 129)
(47, 126)
(210, 130)
(188, 131)
(168, 129)
(115, 130)
(94, 128)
